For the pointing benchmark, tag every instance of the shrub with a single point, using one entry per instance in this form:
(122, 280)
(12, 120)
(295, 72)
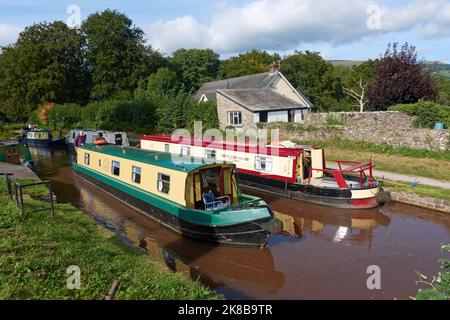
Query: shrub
(64, 116)
(427, 113)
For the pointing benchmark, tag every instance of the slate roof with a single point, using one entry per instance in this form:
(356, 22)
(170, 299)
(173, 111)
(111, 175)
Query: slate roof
(260, 99)
(253, 81)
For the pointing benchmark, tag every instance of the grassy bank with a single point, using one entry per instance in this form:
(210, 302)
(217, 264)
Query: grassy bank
(8, 131)
(421, 190)
(423, 163)
(35, 253)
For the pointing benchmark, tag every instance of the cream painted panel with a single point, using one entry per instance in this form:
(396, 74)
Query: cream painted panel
(281, 166)
(149, 174)
(317, 162)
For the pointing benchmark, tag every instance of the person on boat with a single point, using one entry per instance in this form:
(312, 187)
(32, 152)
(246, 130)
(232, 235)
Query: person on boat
(80, 139)
(100, 139)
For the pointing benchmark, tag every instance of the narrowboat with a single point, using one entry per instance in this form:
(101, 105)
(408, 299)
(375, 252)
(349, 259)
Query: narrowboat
(195, 198)
(112, 137)
(16, 153)
(297, 172)
(42, 138)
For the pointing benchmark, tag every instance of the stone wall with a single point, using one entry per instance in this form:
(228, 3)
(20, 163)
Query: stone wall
(420, 201)
(391, 127)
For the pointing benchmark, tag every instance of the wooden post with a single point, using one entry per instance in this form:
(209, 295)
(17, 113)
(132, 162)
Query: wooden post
(110, 295)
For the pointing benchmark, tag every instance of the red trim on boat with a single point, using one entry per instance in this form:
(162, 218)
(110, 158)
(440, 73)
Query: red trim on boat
(364, 203)
(224, 145)
(266, 175)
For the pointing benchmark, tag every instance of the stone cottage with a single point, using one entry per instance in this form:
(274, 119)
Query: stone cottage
(265, 97)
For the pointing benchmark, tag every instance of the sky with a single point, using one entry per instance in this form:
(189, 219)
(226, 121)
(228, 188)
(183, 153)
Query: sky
(338, 29)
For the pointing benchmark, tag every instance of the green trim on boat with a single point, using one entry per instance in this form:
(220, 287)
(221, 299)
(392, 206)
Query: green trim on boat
(225, 217)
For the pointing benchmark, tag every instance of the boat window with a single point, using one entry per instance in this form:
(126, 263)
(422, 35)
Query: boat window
(163, 183)
(185, 151)
(263, 163)
(115, 168)
(73, 135)
(87, 159)
(136, 174)
(210, 153)
(99, 162)
(166, 147)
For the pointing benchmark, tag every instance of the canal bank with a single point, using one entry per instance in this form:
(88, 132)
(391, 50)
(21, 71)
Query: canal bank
(322, 253)
(36, 253)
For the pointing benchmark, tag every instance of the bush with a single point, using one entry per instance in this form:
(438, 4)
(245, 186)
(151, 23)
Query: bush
(205, 112)
(427, 113)
(64, 116)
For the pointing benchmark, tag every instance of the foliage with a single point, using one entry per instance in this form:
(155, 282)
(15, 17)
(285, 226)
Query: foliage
(314, 77)
(135, 115)
(117, 55)
(35, 253)
(419, 189)
(443, 91)
(439, 286)
(427, 113)
(46, 64)
(195, 66)
(164, 81)
(206, 112)
(64, 116)
(251, 62)
(43, 112)
(400, 79)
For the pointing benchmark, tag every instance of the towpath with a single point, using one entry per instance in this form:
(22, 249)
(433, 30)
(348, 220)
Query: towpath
(19, 172)
(404, 177)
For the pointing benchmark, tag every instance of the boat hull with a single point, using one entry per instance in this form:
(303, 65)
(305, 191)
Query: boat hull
(252, 233)
(336, 198)
(43, 142)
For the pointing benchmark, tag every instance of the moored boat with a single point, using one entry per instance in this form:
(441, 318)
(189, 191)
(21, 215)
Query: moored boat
(191, 196)
(112, 137)
(16, 153)
(297, 172)
(42, 138)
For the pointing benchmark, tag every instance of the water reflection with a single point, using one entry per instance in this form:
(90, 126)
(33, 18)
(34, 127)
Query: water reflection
(322, 253)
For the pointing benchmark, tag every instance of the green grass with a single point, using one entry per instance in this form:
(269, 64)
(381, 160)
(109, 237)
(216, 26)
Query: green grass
(8, 131)
(35, 253)
(422, 190)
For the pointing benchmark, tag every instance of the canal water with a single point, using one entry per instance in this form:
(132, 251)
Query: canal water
(322, 253)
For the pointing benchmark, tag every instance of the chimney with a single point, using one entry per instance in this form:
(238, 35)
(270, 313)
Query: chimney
(274, 67)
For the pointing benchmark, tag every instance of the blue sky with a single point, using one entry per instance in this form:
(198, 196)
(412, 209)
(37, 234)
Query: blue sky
(339, 29)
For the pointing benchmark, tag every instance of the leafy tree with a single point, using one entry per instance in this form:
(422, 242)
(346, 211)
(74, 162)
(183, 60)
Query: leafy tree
(117, 55)
(443, 91)
(251, 62)
(206, 112)
(64, 116)
(357, 82)
(195, 66)
(163, 81)
(46, 64)
(400, 79)
(314, 77)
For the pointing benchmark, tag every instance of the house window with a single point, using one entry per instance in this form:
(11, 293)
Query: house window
(87, 159)
(210, 153)
(166, 147)
(185, 151)
(263, 163)
(163, 183)
(136, 174)
(115, 168)
(234, 118)
(99, 162)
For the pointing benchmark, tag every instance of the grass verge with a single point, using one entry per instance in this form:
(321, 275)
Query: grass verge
(35, 253)
(421, 190)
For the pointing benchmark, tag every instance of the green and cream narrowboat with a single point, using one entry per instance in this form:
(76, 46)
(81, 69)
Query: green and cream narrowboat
(198, 199)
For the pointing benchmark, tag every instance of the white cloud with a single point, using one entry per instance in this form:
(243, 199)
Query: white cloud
(285, 24)
(8, 34)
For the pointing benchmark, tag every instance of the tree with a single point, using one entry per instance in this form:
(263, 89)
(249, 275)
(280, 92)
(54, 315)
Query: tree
(358, 82)
(117, 55)
(251, 62)
(443, 90)
(400, 79)
(314, 77)
(195, 66)
(46, 64)
(163, 81)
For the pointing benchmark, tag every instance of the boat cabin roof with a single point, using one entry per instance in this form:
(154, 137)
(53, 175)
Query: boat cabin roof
(161, 159)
